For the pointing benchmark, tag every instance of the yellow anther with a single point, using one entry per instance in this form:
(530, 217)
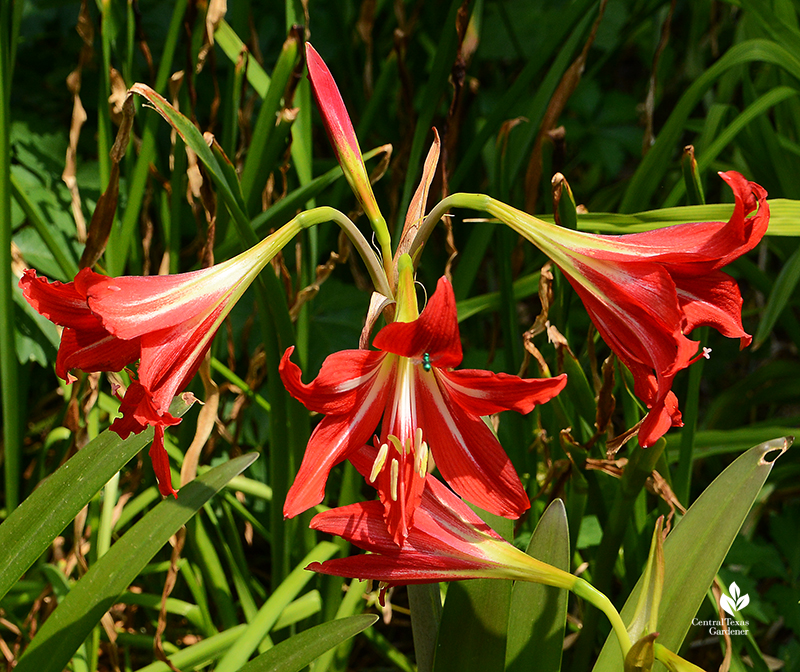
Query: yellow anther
(395, 474)
(421, 460)
(417, 439)
(396, 443)
(380, 460)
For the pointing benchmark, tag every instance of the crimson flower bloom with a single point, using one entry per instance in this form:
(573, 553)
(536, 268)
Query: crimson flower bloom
(646, 291)
(409, 382)
(447, 542)
(167, 322)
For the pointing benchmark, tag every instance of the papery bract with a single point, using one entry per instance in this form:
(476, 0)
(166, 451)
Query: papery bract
(410, 385)
(166, 322)
(646, 291)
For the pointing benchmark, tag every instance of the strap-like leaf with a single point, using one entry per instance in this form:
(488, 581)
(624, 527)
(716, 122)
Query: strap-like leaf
(297, 652)
(69, 625)
(27, 532)
(695, 549)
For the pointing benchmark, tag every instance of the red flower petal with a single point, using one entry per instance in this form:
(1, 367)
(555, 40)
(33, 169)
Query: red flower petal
(332, 441)
(59, 302)
(434, 333)
(347, 380)
(133, 306)
(713, 300)
(483, 393)
(160, 460)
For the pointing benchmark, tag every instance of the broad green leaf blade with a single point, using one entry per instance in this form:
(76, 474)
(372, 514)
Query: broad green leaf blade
(353, 602)
(69, 625)
(28, 531)
(474, 625)
(697, 546)
(538, 613)
(298, 651)
(425, 602)
(472, 634)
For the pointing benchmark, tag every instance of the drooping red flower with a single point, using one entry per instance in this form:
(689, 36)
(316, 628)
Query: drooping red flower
(447, 542)
(166, 322)
(646, 291)
(409, 384)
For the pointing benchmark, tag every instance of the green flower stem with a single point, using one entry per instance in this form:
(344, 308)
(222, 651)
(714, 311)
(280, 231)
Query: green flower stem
(459, 200)
(589, 593)
(385, 242)
(380, 276)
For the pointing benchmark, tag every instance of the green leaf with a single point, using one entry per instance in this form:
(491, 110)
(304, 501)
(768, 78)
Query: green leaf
(474, 625)
(233, 47)
(231, 193)
(783, 291)
(200, 654)
(268, 614)
(257, 165)
(754, 111)
(538, 613)
(649, 174)
(295, 653)
(425, 602)
(28, 531)
(697, 546)
(69, 625)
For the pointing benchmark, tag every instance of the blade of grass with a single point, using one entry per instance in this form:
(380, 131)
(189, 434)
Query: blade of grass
(651, 170)
(783, 291)
(267, 616)
(147, 153)
(297, 652)
(753, 111)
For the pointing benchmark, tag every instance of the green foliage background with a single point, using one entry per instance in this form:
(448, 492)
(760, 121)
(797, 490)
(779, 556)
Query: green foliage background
(721, 76)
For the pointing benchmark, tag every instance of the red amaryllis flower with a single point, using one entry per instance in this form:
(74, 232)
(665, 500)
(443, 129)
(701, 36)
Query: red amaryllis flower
(646, 291)
(410, 383)
(166, 322)
(447, 542)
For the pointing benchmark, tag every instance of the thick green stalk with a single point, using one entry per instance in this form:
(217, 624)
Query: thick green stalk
(8, 359)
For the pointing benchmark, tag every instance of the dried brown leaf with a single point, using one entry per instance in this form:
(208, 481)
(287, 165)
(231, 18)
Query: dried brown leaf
(106, 208)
